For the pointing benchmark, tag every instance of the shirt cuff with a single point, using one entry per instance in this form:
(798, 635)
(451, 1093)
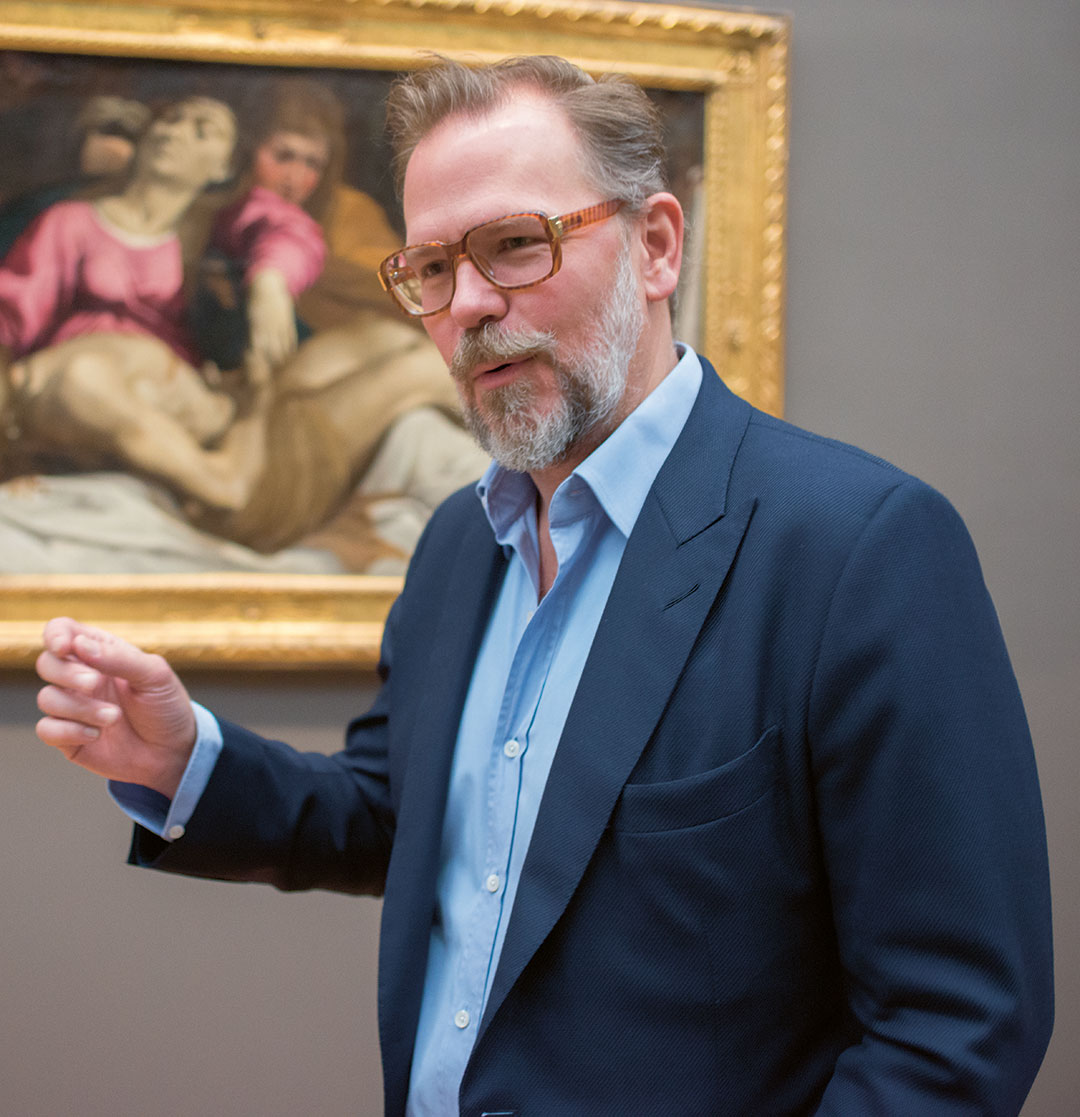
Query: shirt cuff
(153, 810)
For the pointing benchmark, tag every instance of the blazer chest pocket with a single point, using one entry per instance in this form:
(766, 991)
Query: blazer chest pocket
(646, 808)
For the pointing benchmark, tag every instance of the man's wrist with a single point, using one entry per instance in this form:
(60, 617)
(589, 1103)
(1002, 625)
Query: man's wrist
(168, 816)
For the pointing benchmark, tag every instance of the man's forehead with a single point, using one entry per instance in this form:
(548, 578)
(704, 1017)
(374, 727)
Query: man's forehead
(471, 167)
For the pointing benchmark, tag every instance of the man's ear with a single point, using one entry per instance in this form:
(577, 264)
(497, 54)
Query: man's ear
(661, 237)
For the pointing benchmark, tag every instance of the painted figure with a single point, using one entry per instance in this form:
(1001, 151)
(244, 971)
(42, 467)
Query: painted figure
(106, 131)
(268, 245)
(281, 458)
(99, 365)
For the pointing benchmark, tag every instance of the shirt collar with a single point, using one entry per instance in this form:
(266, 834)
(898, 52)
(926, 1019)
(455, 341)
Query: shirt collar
(622, 469)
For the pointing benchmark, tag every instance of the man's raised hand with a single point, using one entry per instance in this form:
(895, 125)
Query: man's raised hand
(112, 708)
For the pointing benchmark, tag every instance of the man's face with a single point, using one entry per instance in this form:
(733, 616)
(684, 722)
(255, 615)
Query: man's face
(514, 422)
(539, 368)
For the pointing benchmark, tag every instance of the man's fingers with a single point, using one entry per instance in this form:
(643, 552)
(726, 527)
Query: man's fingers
(67, 736)
(58, 634)
(109, 655)
(68, 672)
(68, 705)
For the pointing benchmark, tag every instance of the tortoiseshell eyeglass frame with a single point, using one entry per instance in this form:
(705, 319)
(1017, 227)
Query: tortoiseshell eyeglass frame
(555, 227)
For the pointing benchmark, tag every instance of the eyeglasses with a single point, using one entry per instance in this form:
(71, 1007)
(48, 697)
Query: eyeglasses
(512, 252)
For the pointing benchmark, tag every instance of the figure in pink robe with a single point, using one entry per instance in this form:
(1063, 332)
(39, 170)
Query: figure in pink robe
(260, 236)
(72, 274)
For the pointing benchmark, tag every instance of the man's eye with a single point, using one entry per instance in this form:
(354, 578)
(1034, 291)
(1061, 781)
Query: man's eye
(515, 244)
(433, 269)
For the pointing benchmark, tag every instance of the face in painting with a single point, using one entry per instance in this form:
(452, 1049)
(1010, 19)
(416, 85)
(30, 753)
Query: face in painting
(541, 371)
(105, 153)
(291, 164)
(190, 144)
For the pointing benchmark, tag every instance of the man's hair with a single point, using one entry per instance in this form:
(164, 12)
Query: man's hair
(619, 127)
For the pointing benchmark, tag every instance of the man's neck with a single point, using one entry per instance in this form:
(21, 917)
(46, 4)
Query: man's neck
(549, 479)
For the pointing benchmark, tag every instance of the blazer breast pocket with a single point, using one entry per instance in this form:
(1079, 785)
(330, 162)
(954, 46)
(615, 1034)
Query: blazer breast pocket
(646, 808)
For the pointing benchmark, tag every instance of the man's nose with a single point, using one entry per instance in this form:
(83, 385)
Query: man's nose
(475, 300)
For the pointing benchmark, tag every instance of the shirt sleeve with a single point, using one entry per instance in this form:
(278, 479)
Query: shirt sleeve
(154, 811)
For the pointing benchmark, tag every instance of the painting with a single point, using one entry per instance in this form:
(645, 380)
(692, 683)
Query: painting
(217, 434)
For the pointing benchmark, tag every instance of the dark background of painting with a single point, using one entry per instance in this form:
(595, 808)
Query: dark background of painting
(41, 93)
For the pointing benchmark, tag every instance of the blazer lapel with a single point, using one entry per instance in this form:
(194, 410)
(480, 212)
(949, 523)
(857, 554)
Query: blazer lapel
(467, 596)
(674, 565)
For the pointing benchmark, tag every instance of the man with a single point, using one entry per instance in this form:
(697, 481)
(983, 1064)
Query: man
(699, 781)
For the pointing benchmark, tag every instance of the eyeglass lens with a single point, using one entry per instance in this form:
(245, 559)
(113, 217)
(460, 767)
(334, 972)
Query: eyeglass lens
(512, 252)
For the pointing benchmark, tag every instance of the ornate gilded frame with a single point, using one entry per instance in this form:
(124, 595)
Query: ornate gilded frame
(736, 60)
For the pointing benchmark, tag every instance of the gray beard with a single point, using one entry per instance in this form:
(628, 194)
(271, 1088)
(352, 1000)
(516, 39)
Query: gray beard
(524, 436)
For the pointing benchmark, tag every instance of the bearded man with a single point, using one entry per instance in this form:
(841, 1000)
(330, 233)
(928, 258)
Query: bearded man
(698, 781)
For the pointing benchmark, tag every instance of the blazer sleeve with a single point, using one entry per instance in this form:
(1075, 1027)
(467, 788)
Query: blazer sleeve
(931, 826)
(305, 820)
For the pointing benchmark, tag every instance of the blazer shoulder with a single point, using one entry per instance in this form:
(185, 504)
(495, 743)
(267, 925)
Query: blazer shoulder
(769, 456)
(828, 490)
(778, 453)
(787, 443)
(455, 518)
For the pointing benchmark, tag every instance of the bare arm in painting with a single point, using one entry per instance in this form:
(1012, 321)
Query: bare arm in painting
(107, 399)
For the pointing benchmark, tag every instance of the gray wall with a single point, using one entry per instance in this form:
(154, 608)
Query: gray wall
(933, 317)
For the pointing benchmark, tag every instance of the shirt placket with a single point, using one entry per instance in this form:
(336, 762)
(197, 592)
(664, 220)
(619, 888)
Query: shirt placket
(528, 673)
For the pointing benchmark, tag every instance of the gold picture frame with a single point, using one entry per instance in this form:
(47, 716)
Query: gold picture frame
(736, 61)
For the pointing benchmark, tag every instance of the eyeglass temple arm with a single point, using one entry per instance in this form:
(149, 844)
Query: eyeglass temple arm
(587, 216)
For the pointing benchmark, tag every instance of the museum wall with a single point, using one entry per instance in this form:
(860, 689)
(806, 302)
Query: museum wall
(932, 316)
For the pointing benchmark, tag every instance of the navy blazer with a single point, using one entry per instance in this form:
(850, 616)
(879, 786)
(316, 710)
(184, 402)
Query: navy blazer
(790, 857)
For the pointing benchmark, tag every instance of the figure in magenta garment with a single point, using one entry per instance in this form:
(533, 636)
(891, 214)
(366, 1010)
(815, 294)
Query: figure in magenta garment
(104, 135)
(268, 246)
(339, 442)
(269, 231)
(96, 364)
(114, 264)
(73, 272)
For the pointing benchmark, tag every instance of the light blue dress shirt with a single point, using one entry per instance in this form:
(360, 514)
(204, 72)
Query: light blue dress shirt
(523, 683)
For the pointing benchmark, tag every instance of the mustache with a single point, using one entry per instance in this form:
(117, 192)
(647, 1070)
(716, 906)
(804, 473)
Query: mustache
(487, 343)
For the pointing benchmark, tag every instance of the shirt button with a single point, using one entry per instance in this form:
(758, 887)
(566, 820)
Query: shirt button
(175, 832)
(512, 748)
(492, 883)
(461, 1019)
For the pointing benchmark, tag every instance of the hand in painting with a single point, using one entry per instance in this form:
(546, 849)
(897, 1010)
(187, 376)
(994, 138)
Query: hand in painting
(112, 708)
(271, 317)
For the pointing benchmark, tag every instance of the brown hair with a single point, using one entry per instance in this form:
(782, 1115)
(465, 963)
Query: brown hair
(619, 127)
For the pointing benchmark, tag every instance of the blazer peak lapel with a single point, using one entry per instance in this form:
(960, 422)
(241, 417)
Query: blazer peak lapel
(471, 584)
(673, 568)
